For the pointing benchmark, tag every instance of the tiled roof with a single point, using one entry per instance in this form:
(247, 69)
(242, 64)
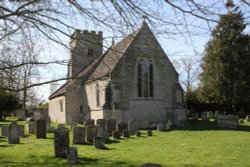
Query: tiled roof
(101, 67)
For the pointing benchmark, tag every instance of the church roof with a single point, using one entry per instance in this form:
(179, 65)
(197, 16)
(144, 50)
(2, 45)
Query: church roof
(102, 66)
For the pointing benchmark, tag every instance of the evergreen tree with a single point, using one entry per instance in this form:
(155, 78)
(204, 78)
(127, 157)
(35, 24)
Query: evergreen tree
(226, 66)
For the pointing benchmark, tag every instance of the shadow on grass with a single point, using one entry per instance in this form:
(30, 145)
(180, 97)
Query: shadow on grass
(199, 125)
(41, 161)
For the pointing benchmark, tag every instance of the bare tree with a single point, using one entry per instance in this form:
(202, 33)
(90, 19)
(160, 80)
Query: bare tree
(54, 20)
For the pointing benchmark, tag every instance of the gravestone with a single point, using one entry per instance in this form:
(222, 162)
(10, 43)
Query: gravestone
(138, 133)
(116, 134)
(90, 133)
(61, 141)
(89, 122)
(210, 115)
(149, 133)
(133, 126)
(99, 143)
(105, 136)
(227, 121)
(160, 127)
(121, 126)
(78, 135)
(13, 133)
(248, 118)
(5, 129)
(72, 155)
(21, 130)
(41, 129)
(99, 130)
(110, 126)
(101, 122)
(167, 127)
(204, 116)
(31, 127)
(126, 133)
(195, 116)
(217, 112)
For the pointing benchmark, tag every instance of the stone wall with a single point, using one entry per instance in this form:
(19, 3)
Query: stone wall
(55, 112)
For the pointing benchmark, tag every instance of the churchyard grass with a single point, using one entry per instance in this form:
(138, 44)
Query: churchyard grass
(201, 144)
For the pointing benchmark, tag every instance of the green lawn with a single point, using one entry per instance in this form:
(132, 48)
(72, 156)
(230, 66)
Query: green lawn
(199, 145)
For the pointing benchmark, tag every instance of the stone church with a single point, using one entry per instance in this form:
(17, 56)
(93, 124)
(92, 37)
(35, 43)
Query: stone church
(133, 79)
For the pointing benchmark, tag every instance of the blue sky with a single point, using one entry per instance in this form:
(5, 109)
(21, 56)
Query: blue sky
(180, 35)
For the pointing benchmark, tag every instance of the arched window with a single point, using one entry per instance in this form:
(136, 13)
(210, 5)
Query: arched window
(97, 95)
(145, 78)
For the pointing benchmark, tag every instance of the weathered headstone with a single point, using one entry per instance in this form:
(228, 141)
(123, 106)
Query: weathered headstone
(105, 136)
(149, 133)
(248, 118)
(89, 122)
(121, 126)
(138, 133)
(13, 133)
(160, 127)
(31, 127)
(126, 133)
(99, 143)
(133, 126)
(5, 129)
(99, 130)
(110, 125)
(204, 116)
(61, 141)
(72, 155)
(41, 129)
(116, 134)
(90, 133)
(101, 122)
(195, 116)
(78, 135)
(21, 130)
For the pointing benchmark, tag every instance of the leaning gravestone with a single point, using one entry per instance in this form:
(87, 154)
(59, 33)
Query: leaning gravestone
(90, 133)
(5, 129)
(116, 134)
(227, 121)
(89, 122)
(61, 141)
(41, 129)
(101, 122)
(13, 133)
(72, 155)
(99, 143)
(121, 126)
(21, 130)
(78, 135)
(110, 125)
(133, 126)
(31, 127)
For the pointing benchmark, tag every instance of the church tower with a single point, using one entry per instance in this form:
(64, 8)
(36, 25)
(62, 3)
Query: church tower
(85, 48)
